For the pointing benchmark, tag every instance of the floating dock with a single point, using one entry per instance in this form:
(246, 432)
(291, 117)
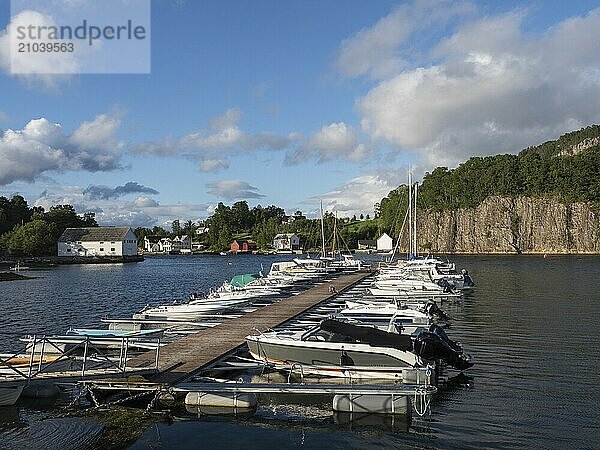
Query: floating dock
(188, 355)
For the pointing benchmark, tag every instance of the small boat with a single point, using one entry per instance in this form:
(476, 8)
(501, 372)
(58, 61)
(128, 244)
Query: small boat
(100, 339)
(10, 394)
(18, 267)
(107, 333)
(341, 349)
(13, 364)
(194, 309)
(222, 253)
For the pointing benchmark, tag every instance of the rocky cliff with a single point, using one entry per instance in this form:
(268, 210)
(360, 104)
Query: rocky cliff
(511, 225)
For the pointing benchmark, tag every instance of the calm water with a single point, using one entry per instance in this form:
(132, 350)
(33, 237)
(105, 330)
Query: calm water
(531, 325)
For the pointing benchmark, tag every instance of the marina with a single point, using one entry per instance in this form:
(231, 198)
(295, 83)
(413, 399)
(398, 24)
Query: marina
(481, 321)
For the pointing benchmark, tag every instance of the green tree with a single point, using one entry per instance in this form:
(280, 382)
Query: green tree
(35, 238)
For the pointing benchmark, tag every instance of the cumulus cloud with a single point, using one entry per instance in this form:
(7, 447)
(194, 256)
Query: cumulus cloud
(359, 195)
(377, 51)
(142, 211)
(217, 142)
(233, 189)
(145, 202)
(96, 192)
(44, 146)
(47, 69)
(336, 140)
(222, 133)
(490, 87)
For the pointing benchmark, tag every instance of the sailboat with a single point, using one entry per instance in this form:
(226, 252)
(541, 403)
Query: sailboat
(336, 259)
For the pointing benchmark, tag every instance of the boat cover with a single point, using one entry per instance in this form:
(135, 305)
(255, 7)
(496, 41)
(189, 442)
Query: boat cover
(242, 280)
(429, 344)
(368, 335)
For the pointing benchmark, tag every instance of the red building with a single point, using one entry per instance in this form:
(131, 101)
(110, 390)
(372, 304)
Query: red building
(242, 246)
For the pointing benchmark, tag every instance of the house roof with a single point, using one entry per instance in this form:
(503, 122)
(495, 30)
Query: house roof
(367, 241)
(94, 234)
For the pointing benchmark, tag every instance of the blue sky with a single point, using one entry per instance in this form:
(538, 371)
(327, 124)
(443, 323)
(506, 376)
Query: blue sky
(290, 102)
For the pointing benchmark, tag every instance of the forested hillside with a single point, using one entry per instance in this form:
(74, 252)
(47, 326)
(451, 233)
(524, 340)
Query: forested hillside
(567, 170)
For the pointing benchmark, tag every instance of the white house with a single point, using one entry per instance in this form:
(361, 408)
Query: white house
(151, 244)
(384, 243)
(165, 245)
(181, 243)
(98, 241)
(286, 242)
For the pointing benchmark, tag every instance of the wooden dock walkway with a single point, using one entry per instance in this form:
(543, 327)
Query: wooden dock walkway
(189, 354)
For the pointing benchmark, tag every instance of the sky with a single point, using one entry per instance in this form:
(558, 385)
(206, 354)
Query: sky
(294, 102)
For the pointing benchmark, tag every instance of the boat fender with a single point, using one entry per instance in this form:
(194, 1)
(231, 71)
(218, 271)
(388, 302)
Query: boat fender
(221, 399)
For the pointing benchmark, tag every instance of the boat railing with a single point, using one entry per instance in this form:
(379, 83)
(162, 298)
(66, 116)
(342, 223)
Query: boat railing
(44, 355)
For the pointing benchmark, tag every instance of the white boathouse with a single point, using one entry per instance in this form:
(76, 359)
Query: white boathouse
(384, 243)
(98, 241)
(286, 242)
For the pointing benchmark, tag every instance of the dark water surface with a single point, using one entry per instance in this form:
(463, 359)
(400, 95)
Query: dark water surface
(531, 324)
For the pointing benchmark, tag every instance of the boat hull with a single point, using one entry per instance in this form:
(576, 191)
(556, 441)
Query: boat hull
(10, 394)
(325, 358)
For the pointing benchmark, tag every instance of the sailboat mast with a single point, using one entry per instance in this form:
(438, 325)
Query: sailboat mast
(409, 215)
(322, 231)
(334, 236)
(415, 251)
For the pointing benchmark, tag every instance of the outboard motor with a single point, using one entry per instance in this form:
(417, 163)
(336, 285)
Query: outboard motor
(443, 283)
(435, 344)
(467, 280)
(434, 310)
(439, 331)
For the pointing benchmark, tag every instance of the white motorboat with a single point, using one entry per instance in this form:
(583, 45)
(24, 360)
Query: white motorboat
(188, 311)
(341, 349)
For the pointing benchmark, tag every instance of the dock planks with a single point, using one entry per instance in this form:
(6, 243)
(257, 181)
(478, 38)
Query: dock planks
(189, 354)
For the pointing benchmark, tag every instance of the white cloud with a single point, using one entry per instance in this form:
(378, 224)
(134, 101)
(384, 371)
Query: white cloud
(222, 133)
(377, 51)
(233, 189)
(336, 140)
(98, 133)
(359, 195)
(210, 165)
(36, 67)
(44, 146)
(215, 144)
(490, 88)
(145, 202)
(142, 211)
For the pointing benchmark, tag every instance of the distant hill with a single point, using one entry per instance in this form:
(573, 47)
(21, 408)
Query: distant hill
(545, 199)
(567, 170)
(569, 144)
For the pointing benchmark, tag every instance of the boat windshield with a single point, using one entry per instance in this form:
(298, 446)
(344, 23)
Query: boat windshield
(327, 336)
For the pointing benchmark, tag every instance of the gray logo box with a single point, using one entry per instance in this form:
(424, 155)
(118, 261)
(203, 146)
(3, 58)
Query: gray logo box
(79, 36)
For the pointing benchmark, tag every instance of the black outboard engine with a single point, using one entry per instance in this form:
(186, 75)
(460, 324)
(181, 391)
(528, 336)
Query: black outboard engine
(435, 344)
(467, 280)
(434, 310)
(443, 283)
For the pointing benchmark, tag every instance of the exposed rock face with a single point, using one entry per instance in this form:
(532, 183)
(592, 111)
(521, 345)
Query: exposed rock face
(578, 148)
(512, 225)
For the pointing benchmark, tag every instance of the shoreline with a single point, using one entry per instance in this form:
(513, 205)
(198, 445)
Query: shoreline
(9, 276)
